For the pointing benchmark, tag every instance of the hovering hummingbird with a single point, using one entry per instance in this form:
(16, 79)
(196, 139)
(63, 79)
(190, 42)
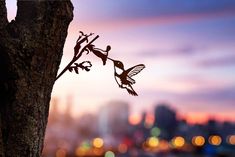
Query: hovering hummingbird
(124, 77)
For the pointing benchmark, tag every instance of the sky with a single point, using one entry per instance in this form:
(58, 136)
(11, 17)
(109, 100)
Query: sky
(187, 46)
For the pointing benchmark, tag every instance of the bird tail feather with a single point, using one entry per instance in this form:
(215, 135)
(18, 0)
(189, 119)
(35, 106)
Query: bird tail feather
(131, 91)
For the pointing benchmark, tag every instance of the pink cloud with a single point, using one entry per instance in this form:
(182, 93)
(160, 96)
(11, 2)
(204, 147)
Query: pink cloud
(121, 23)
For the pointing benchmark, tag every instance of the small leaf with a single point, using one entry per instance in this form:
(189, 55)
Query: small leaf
(70, 69)
(76, 70)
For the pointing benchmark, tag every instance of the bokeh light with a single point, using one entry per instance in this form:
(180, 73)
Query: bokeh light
(198, 140)
(98, 142)
(149, 121)
(134, 119)
(80, 151)
(164, 145)
(98, 152)
(122, 148)
(153, 142)
(231, 139)
(155, 131)
(178, 142)
(215, 140)
(61, 153)
(109, 154)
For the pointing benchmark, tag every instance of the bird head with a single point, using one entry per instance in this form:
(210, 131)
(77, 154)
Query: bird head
(117, 64)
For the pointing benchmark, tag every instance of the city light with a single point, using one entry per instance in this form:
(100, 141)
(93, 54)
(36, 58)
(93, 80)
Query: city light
(149, 121)
(186, 101)
(134, 119)
(86, 145)
(122, 148)
(60, 153)
(98, 142)
(164, 145)
(80, 151)
(109, 154)
(198, 141)
(153, 142)
(231, 139)
(98, 151)
(83, 148)
(178, 142)
(155, 131)
(215, 140)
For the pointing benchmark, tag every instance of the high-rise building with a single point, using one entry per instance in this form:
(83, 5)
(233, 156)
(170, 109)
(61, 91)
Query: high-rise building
(113, 119)
(165, 120)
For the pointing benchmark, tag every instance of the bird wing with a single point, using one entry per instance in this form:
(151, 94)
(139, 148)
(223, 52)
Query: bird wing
(132, 81)
(135, 70)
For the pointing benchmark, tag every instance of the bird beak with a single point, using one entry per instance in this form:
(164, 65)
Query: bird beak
(111, 59)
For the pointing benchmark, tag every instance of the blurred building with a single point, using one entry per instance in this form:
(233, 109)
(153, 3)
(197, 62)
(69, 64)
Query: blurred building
(72, 136)
(165, 120)
(87, 126)
(61, 132)
(113, 119)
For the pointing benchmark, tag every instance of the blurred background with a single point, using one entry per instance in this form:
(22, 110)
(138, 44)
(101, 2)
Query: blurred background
(186, 102)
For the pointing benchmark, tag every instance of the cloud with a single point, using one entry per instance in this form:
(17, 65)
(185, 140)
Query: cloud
(117, 23)
(217, 62)
(106, 14)
(185, 51)
(155, 8)
(212, 95)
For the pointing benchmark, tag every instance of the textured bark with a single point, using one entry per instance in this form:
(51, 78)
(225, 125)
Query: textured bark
(30, 53)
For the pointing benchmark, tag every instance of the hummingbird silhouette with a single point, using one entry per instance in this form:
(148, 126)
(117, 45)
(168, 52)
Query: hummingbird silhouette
(124, 77)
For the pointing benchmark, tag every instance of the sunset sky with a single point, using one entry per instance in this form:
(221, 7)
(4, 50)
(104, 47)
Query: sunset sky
(188, 47)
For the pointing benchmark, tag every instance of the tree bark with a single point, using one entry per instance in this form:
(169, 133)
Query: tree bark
(31, 48)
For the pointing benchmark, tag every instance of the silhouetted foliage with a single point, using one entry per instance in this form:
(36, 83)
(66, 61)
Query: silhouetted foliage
(123, 79)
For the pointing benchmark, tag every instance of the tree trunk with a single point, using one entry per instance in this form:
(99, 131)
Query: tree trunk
(30, 53)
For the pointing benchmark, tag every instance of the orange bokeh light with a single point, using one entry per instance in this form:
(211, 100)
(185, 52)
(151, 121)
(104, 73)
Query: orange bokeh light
(198, 141)
(134, 119)
(61, 153)
(231, 139)
(178, 142)
(98, 142)
(122, 148)
(215, 140)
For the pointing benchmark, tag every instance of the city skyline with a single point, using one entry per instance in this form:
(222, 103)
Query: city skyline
(187, 47)
(109, 129)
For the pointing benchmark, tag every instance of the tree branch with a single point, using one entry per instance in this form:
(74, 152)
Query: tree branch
(33, 45)
(3, 14)
(42, 22)
(35, 11)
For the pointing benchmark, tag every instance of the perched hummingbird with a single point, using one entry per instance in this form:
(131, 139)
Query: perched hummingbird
(124, 77)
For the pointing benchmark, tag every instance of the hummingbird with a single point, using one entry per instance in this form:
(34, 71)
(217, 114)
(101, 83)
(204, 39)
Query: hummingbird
(124, 77)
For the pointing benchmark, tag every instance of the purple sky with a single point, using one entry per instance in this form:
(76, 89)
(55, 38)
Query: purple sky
(187, 46)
